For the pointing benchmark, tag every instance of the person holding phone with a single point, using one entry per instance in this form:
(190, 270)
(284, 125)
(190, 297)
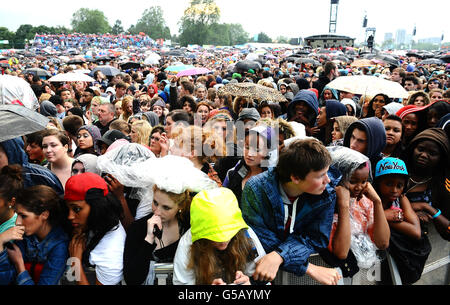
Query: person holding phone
(154, 238)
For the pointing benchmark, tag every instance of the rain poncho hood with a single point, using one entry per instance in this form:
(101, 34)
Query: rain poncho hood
(376, 135)
(346, 160)
(216, 216)
(89, 162)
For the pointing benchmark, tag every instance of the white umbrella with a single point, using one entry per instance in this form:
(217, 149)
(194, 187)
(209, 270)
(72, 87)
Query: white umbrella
(152, 59)
(252, 56)
(71, 77)
(368, 85)
(16, 90)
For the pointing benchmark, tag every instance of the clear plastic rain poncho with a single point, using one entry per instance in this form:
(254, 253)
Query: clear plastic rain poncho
(135, 166)
(15, 90)
(347, 160)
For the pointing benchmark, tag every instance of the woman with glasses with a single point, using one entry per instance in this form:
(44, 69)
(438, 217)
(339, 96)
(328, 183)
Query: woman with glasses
(159, 143)
(55, 145)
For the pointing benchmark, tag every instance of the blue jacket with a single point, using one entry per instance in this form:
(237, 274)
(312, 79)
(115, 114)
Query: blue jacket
(264, 211)
(33, 174)
(52, 252)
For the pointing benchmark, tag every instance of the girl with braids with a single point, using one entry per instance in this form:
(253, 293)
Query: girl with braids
(220, 247)
(144, 246)
(36, 247)
(98, 237)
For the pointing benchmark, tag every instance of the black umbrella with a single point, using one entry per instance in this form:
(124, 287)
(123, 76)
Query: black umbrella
(431, 61)
(24, 120)
(342, 58)
(388, 59)
(107, 70)
(76, 61)
(103, 58)
(175, 53)
(130, 65)
(307, 61)
(302, 52)
(246, 65)
(413, 54)
(37, 71)
(446, 58)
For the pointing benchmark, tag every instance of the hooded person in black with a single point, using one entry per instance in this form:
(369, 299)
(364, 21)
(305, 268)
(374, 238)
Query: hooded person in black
(375, 138)
(304, 109)
(33, 174)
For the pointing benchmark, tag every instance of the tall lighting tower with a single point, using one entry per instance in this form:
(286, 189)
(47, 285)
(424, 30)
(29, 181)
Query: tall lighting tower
(333, 15)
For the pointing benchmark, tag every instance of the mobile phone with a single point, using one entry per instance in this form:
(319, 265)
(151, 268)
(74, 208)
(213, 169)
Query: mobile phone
(157, 232)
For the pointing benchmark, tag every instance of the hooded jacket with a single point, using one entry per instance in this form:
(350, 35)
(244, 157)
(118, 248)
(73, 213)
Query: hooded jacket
(310, 99)
(376, 137)
(264, 211)
(33, 174)
(334, 109)
(333, 92)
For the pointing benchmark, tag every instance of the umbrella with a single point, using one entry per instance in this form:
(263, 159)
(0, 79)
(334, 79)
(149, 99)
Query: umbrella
(252, 56)
(103, 58)
(431, 61)
(368, 85)
(175, 53)
(4, 64)
(193, 71)
(24, 120)
(362, 63)
(107, 70)
(446, 58)
(76, 61)
(37, 71)
(178, 68)
(15, 90)
(152, 60)
(389, 60)
(71, 77)
(413, 54)
(254, 91)
(307, 61)
(247, 65)
(130, 65)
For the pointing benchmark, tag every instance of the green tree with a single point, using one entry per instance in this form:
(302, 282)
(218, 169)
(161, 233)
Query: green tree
(282, 39)
(6, 34)
(117, 28)
(197, 20)
(264, 38)
(237, 34)
(90, 21)
(218, 35)
(153, 24)
(24, 33)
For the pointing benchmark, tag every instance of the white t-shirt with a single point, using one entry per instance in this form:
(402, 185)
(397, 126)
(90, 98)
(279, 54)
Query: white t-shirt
(183, 276)
(107, 257)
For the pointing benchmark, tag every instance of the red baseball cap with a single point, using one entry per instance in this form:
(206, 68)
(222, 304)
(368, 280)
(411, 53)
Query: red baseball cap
(77, 186)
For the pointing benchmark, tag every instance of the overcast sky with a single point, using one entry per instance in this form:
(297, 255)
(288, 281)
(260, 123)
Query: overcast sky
(290, 18)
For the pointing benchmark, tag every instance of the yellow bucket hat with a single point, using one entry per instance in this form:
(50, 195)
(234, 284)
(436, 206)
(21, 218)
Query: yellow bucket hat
(216, 216)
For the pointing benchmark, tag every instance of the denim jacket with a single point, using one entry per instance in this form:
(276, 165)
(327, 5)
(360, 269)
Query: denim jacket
(52, 252)
(263, 210)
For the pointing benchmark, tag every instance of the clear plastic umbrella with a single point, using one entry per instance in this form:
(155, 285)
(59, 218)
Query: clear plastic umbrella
(16, 121)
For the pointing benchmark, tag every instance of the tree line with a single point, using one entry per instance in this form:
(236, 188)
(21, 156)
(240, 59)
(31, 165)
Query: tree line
(199, 25)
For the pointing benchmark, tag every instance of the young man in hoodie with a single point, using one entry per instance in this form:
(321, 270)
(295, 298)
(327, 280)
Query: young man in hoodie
(367, 136)
(290, 207)
(304, 109)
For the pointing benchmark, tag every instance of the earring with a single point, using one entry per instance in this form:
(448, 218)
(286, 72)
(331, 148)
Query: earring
(179, 211)
(10, 206)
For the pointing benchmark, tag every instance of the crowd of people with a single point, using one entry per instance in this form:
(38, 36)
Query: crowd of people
(144, 167)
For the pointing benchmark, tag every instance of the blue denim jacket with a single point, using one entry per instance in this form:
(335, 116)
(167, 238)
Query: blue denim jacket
(263, 210)
(52, 252)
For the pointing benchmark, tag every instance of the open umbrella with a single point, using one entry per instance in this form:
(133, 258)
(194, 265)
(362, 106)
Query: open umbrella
(76, 61)
(308, 61)
(107, 70)
(37, 71)
(71, 77)
(16, 90)
(193, 71)
(152, 60)
(388, 59)
(178, 68)
(368, 85)
(253, 91)
(362, 63)
(16, 121)
(130, 65)
(246, 65)
(431, 61)
(446, 57)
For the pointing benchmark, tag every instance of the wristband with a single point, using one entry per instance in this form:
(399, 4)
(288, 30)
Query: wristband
(437, 214)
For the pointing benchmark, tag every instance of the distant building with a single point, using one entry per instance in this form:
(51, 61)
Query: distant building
(388, 36)
(329, 41)
(400, 37)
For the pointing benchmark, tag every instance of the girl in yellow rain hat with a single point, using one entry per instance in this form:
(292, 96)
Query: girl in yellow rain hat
(220, 247)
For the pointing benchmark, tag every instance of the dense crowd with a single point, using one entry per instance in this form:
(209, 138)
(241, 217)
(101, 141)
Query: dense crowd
(145, 167)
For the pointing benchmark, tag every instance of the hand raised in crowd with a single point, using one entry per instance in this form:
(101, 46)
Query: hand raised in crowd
(343, 196)
(115, 186)
(155, 220)
(14, 233)
(164, 144)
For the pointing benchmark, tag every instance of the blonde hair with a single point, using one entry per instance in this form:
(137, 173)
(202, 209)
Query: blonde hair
(143, 130)
(44, 97)
(185, 137)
